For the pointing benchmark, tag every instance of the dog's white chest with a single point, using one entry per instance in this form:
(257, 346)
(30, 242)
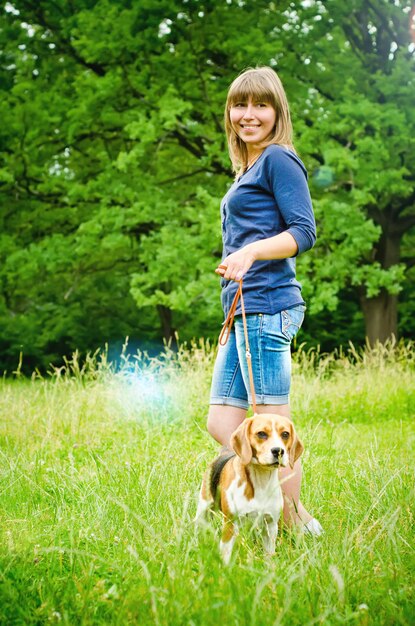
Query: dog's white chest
(267, 499)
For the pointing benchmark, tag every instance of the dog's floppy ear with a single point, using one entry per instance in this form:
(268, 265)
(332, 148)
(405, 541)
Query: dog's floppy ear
(240, 441)
(296, 449)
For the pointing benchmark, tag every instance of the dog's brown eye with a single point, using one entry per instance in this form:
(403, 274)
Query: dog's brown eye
(262, 435)
(285, 435)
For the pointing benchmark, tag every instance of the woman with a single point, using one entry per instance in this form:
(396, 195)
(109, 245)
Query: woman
(267, 219)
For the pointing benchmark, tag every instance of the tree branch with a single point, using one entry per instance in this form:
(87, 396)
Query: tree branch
(62, 43)
(181, 176)
(403, 225)
(409, 261)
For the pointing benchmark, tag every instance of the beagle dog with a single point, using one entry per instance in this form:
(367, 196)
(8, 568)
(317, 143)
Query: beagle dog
(245, 482)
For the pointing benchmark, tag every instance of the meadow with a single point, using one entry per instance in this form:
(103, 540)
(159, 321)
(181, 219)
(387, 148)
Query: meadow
(100, 470)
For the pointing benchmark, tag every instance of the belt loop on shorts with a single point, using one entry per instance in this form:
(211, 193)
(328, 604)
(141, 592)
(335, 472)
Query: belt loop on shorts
(225, 332)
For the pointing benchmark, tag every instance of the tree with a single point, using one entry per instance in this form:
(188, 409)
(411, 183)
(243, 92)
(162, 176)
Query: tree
(364, 136)
(124, 165)
(113, 158)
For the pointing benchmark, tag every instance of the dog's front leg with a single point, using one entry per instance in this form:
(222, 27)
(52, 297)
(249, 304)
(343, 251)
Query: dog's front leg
(269, 534)
(229, 532)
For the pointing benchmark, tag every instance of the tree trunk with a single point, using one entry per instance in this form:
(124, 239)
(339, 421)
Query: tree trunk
(381, 312)
(166, 319)
(381, 317)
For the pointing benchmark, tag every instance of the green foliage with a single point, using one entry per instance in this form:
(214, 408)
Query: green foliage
(113, 159)
(100, 474)
(363, 85)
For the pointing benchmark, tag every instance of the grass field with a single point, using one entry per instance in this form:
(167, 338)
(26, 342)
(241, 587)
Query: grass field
(99, 479)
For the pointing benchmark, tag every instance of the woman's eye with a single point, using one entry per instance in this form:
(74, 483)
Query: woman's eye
(285, 435)
(262, 435)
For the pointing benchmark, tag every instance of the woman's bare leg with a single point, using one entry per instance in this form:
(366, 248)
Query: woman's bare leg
(223, 420)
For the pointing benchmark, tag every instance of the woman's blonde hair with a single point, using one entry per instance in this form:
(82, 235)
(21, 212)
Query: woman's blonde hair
(261, 84)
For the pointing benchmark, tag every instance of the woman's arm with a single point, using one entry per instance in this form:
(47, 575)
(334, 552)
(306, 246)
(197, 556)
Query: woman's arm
(235, 266)
(286, 179)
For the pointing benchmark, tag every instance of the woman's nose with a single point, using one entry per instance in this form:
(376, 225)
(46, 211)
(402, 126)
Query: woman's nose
(249, 111)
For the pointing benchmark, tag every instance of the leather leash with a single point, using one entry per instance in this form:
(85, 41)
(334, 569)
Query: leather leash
(225, 332)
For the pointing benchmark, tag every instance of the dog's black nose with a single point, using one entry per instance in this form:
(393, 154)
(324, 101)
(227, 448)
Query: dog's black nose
(277, 452)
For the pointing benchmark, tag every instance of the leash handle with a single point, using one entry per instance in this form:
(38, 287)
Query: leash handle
(225, 332)
(228, 323)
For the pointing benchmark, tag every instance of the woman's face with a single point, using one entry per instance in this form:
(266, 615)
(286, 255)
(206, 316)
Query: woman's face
(253, 121)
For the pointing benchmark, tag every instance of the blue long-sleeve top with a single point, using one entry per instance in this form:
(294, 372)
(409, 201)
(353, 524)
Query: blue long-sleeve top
(269, 198)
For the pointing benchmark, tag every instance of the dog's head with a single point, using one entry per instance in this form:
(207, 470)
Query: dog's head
(268, 440)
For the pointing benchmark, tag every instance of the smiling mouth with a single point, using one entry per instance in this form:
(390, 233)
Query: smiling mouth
(249, 127)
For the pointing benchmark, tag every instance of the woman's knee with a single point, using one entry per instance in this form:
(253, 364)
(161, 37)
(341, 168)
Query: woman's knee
(211, 423)
(223, 420)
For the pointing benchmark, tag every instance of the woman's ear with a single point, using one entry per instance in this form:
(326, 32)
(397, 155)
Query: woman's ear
(296, 449)
(240, 441)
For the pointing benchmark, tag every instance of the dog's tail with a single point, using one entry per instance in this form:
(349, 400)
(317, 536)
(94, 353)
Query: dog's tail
(216, 471)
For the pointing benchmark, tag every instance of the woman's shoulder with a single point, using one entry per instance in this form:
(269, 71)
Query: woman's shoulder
(278, 155)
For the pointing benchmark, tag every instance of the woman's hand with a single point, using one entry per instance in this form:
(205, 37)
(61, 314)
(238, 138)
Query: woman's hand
(236, 265)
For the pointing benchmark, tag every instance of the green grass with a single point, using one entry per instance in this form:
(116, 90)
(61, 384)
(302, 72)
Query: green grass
(100, 474)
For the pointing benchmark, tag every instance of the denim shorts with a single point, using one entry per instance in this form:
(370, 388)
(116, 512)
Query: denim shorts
(270, 339)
